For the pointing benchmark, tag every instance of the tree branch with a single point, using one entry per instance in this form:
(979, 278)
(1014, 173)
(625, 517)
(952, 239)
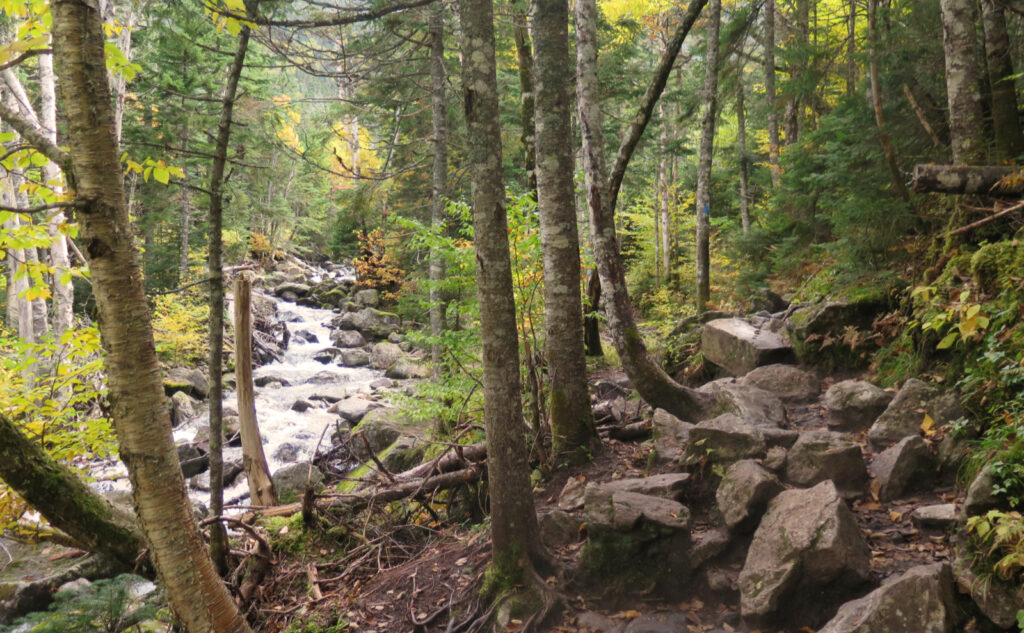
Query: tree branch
(339, 20)
(34, 137)
(27, 54)
(42, 207)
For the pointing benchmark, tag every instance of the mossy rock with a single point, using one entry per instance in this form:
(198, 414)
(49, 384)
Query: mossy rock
(994, 266)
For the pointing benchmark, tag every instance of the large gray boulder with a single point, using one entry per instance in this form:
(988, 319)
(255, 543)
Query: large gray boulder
(854, 405)
(906, 412)
(785, 381)
(379, 429)
(290, 481)
(998, 600)
(291, 290)
(724, 440)
(347, 338)
(191, 381)
(738, 347)
(367, 297)
(921, 600)
(744, 493)
(353, 409)
(354, 357)
(183, 408)
(905, 467)
(807, 557)
(982, 495)
(670, 435)
(384, 355)
(405, 368)
(824, 455)
(372, 324)
(754, 406)
(666, 486)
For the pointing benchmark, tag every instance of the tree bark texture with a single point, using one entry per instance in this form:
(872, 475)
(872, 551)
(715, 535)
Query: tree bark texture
(439, 178)
(514, 532)
(527, 91)
(1005, 121)
(707, 148)
(194, 591)
(744, 161)
(960, 179)
(664, 192)
(966, 123)
(65, 500)
(769, 92)
(572, 423)
(896, 177)
(650, 380)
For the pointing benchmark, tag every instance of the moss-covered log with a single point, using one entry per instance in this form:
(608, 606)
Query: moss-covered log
(963, 179)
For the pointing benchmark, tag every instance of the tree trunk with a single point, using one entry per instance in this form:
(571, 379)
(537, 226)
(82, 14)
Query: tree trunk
(664, 192)
(707, 148)
(527, 92)
(798, 68)
(650, 380)
(591, 322)
(1005, 121)
(439, 180)
(769, 92)
(65, 500)
(895, 175)
(514, 532)
(851, 48)
(261, 486)
(966, 123)
(186, 220)
(194, 591)
(744, 162)
(572, 423)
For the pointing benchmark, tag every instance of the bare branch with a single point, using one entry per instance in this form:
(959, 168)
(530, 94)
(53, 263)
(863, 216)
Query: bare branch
(26, 55)
(36, 138)
(339, 20)
(42, 207)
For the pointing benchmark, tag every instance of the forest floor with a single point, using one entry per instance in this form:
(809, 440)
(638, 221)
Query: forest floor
(427, 578)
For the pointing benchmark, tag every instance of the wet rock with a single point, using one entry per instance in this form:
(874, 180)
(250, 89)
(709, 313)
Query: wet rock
(854, 405)
(232, 469)
(290, 481)
(396, 338)
(558, 528)
(752, 405)
(785, 381)
(287, 452)
(265, 379)
(377, 430)
(193, 461)
(183, 408)
(724, 440)
(921, 600)
(382, 383)
(354, 358)
(327, 355)
(822, 455)
(905, 467)
(807, 557)
(666, 486)
(305, 336)
(191, 381)
(981, 494)
(940, 516)
(353, 409)
(301, 405)
(290, 290)
(406, 368)
(347, 338)
(372, 324)
(571, 497)
(738, 347)
(659, 623)
(906, 412)
(367, 297)
(384, 355)
(330, 395)
(744, 493)
(998, 600)
(670, 435)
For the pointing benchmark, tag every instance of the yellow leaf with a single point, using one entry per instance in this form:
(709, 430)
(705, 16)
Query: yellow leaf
(894, 516)
(928, 425)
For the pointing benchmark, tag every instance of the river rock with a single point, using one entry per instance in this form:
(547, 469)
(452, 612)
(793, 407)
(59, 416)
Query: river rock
(191, 381)
(183, 408)
(998, 600)
(301, 406)
(266, 379)
(377, 430)
(905, 467)
(290, 481)
(906, 412)
(354, 358)
(291, 291)
(305, 336)
(786, 381)
(329, 394)
(724, 440)
(403, 454)
(327, 355)
(738, 347)
(807, 557)
(854, 405)
(367, 297)
(921, 600)
(325, 378)
(940, 516)
(666, 486)
(372, 324)
(821, 455)
(744, 493)
(287, 452)
(347, 338)
(405, 368)
(752, 405)
(384, 355)
(353, 409)
(670, 435)
(193, 461)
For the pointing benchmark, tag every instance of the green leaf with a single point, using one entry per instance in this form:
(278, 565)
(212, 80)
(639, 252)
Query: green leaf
(947, 341)
(161, 175)
(235, 6)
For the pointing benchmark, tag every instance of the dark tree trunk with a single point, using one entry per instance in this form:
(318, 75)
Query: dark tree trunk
(1005, 119)
(769, 92)
(527, 91)
(895, 176)
(707, 146)
(439, 177)
(966, 124)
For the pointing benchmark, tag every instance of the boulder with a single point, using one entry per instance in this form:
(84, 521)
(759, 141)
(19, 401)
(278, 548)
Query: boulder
(327, 355)
(854, 405)
(940, 516)
(265, 379)
(906, 412)
(301, 406)
(666, 622)
(354, 357)
(403, 454)
(738, 347)
(825, 455)
(287, 452)
(775, 459)
(379, 429)
(666, 486)
(817, 330)
(670, 435)
(558, 528)
(406, 368)
(744, 494)
(372, 324)
(290, 481)
(807, 557)
(367, 297)
(329, 394)
(193, 461)
(353, 409)
(191, 381)
(347, 338)
(982, 495)
(324, 378)
(384, 355)
(571, 497)
(183, 408)
(305, 336)
(785, 381)
(905, 467)
(921, 600)
(998, 600)
(754, 406)
(291, 290)
(724, 440)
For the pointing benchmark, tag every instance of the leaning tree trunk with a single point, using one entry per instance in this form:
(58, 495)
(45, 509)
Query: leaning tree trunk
(514, 532)
(966, 123)
(572, 423)
(649, 379)
(65, 500)
(439, 179)
(1005, 121)
(194, 591)
(707, 147)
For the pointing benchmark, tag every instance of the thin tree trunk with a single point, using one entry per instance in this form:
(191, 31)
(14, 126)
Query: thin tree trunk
(438, 79)
(527, 91)
(744, 162)
(663, 194)
(261, 486)
(966, 123)
(707, 147)
(572, 423)
(514, 531)
(1005, 120)
(851, 48)
(186, 229)
(650, 380)
(769, 92)
(591, 322)
(896, 177)
(194, 591)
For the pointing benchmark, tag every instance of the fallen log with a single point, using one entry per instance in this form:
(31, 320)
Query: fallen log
(455, 458)
(965, 179)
